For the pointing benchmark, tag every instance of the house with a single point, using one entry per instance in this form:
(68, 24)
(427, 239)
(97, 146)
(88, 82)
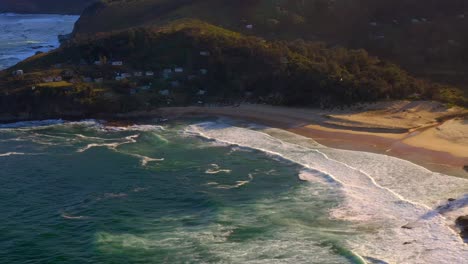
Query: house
(149, 73)
(119, 78)
(144, 87)
(74, 80)
(99, 63)
(99, 80)
(461, 16)
(179, 70)
(58, 79)
(250, 26)
(373, 24)
(87, 79)
(18, 73)
(415, 21)
(126, 75)
(203, 71)
(164, 92)
(201, 92)
(48, 79)
(117, 63)
(138, 74)
(204, 53)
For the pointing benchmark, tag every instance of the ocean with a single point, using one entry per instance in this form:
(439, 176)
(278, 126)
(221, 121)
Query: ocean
(209, 190)
(22, 35)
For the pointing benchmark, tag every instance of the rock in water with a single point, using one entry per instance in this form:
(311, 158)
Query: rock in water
(462, 223)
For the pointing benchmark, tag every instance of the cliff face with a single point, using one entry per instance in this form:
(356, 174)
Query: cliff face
(44, 6)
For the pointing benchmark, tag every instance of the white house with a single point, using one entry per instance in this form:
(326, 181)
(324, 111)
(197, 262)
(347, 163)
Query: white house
(373, 24)
(179, 69)
(250, 26)
(58, 79)
(204, 53)
(201, 92)
(149, 73)
(117, 63)
(138, 74)
(119, 78)
(98, 63)
(164, 92)
(99, 80)
(18, 73)
(126, 75)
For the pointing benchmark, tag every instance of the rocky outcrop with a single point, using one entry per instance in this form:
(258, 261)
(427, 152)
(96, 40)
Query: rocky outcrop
(462, 223)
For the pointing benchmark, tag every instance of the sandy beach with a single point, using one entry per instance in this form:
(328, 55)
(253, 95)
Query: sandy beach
(426, 133)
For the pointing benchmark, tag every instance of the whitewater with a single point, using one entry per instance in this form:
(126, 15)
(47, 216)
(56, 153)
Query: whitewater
(217, 191)
(402, 205)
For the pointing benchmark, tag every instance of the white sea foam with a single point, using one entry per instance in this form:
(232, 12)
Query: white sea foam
(113, 146)
(375, 196)
(215, 169)
(11, 154)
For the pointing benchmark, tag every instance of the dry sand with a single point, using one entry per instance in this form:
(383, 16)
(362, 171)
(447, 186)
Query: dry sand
(408, 130)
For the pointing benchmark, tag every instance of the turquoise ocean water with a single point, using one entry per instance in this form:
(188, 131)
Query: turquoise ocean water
(86, 193)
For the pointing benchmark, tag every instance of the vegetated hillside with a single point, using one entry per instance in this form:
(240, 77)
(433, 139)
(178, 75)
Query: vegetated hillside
(428, 38)
(192, 62)
(44, 6)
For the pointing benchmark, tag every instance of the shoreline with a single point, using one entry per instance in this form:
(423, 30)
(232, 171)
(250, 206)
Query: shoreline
(417, 145)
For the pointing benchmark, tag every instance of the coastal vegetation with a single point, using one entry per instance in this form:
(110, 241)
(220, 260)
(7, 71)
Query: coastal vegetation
(189, 62)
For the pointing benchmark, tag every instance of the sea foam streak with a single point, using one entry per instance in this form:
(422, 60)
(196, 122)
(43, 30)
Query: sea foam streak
(369, 199)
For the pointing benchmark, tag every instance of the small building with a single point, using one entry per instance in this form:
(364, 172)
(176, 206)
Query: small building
(117, 63)
(461, 16)
(99, 80)
(18, 73)
(415, 21)
(201, 92)
(99, 63)
(203, 71)
(179, 70)
(204, 53)
(87, 79)
(149, 73)
(373, 24)
(126, 75)
(164, 92)
(138, 74)
(58, 79)
(48, 79)
(119, 78)
(250, 26)
(144, 87)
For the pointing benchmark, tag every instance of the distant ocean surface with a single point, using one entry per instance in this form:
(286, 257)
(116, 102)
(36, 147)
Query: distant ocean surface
(22, 35)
